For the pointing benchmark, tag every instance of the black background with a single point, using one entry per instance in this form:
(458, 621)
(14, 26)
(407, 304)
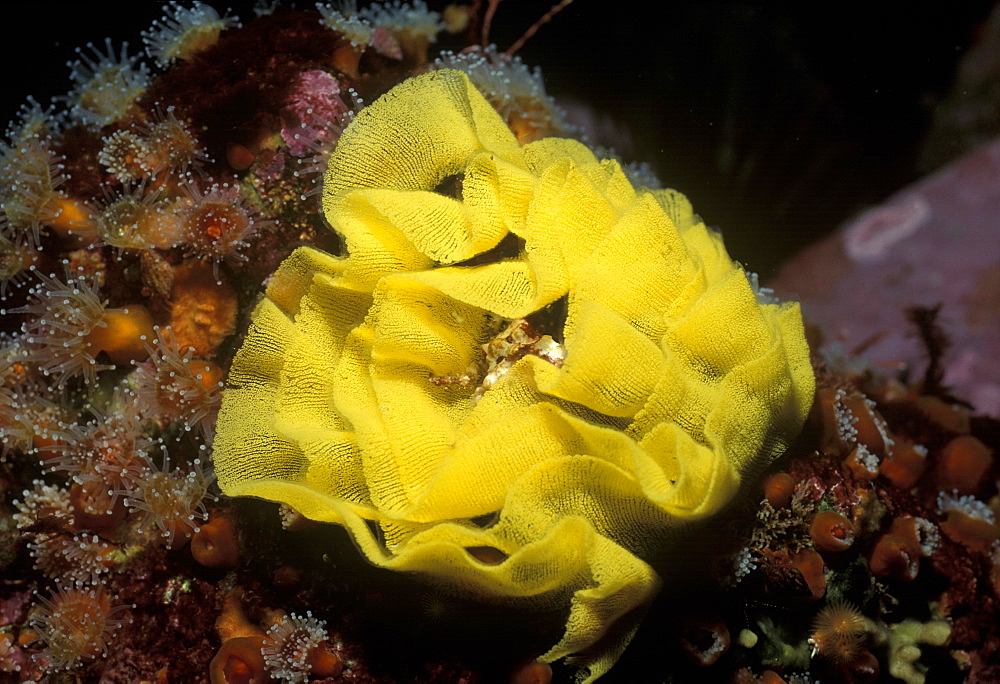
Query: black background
(779, 123)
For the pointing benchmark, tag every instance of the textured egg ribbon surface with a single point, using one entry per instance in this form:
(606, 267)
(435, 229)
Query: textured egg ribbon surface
(676, 381)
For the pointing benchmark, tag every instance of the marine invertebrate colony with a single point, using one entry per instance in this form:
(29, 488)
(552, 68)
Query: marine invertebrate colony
(359, 395)
(520, 380)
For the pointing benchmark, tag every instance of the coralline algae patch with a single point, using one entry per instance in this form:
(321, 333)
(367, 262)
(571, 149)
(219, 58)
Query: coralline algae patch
(933, 243)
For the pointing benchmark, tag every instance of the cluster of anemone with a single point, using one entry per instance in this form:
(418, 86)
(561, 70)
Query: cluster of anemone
(174, 385)
(869, 513)
(111, 260)
(150, 148)
(397, 19)
(394, 30)
(171, 500)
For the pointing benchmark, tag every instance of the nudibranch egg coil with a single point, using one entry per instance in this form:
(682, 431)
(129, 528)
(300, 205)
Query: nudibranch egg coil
(663, 382)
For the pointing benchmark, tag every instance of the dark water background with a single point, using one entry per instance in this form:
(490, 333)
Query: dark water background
(779, 123)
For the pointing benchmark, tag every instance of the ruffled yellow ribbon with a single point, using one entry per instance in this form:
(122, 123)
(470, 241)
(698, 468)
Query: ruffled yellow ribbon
(676, 380)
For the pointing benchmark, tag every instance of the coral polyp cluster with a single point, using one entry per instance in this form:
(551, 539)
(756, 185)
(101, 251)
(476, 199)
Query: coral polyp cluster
(504, 406)
(75, 624)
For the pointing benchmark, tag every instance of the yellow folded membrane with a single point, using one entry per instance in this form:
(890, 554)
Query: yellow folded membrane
(363, 393)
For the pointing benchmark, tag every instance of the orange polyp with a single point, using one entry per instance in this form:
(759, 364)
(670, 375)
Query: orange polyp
(952, 418)
(208, 373)
(907, 529)
(861, 464)
(963, 464)
(705, 640)
(124, 335)
(813, 570)
(771, 677)
(867, 423)
(239, 661)
(239, 156)
(232, 622)
(973, 533)
(894, 557)
(70, 217)
(322, 663)
(831, 532)
(214, 544)
(531, 672)
(346, 58)
(778, 489)
(287, 577)
(904, 464)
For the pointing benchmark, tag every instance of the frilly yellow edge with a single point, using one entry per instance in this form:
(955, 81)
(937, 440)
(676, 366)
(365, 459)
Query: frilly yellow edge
(358, 395)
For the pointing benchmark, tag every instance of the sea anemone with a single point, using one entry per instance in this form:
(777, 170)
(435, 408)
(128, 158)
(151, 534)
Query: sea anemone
(813, 569)
(125, 155)
(838, 632)
(214, 544)
(296, 646)
(214, 224)
(239, 661)
(43, 501)
(343, 18)
(904, 464)
(705, 641)
(778, 489)
(920, 532)
(831, 531)
(182, 32)
(962, 465)
(75, 624)
(17, 256)
(531, 672)
(172, 142)
(165, 143)
(969, 522)
(76, 558)
(105, 86)
(172, 385)
(31, 174)
(171, 500)
(894, 557)
(33, 419)
(110, 445)
(138, 218)
(69, 325)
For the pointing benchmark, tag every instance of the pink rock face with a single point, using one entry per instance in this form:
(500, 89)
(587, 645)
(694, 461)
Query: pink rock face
(935, 242)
